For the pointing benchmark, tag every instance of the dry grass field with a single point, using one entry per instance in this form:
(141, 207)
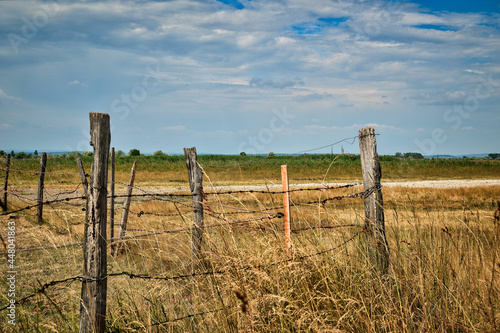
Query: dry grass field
(444, 254)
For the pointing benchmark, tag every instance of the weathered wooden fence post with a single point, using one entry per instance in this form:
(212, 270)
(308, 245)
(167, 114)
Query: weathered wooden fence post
(195, 173)
(43, 164)
(126, 208)
(5, 185)
(112, 199)
(94, 282)
(378, 248)
(286, 207)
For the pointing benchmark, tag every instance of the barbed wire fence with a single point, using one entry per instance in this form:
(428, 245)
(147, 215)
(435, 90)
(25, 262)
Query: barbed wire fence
(226, 215)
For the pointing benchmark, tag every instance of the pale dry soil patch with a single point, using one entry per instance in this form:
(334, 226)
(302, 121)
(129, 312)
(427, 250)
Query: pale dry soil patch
(454, 183)
(29, 193)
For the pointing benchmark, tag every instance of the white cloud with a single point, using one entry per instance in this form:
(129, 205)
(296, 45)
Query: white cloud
(76, 83)
(313, 97)
(322, 128)
(473, 71)
(440, 98)
(285, 41)
(5, 126)
(268, 83)
(227, 67)
(375, 125)
(4, 96)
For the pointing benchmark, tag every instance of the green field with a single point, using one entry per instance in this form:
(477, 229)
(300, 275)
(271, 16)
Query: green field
(231, 169)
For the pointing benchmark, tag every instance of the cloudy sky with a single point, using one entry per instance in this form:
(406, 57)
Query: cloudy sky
(254, 76)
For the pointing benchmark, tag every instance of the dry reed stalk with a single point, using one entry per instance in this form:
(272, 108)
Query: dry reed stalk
(492, 292)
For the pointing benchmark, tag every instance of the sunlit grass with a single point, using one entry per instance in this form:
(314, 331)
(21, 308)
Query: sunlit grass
(442, 242)
(443, 275)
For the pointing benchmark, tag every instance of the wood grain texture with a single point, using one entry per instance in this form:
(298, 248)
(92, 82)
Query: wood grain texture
(41, 179)
(373, 201)
(112, 199)
(94, 284)
(6, 183)
(126, 208)
(195, 174)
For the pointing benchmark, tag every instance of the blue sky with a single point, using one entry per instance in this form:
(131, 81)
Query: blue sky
(254, 76)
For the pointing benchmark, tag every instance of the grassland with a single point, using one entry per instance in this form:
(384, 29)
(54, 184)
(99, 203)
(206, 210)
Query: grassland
(228, 169)
(444, 243)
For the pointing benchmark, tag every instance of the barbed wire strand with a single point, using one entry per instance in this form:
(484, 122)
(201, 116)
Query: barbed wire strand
(177, 195)
(177, 277)
(35, 173)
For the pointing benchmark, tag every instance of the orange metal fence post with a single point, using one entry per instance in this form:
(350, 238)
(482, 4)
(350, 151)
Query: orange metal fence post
(286, 207)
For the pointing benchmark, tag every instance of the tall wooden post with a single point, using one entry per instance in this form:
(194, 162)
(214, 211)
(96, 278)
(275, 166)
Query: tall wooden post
(286, 207)
(378, 248)
(112, 200)
(5, 185)
(195, 173)
(94, 283)
(126, 207)
(43, 164)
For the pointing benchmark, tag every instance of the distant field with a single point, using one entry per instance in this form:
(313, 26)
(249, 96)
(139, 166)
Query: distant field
(230, 169)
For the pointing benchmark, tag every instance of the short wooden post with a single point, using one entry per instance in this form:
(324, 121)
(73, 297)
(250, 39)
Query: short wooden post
(5, 185)
(286, 207)
(43, 164)
(94, 282)
(112, 199)
(195, 173)
(378, 248)
(126, 208)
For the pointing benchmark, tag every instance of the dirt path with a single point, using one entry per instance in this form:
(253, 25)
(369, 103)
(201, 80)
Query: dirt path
(54, 193)
(444, 183)
(413, 184)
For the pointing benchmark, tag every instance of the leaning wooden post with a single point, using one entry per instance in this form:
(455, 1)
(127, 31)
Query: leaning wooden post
(5, 185)
(83, 177)
(126, 208)
(378, 248)
(112, 199)
(195, 173)
(43, 164)
(94, 281)
(286, 207)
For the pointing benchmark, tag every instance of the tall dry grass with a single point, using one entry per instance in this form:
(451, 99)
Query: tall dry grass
(443, 275)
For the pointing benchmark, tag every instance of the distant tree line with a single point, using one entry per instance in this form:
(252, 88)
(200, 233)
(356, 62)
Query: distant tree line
(494, 156)
(75, 154)
(137, 152)
(409, 155)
